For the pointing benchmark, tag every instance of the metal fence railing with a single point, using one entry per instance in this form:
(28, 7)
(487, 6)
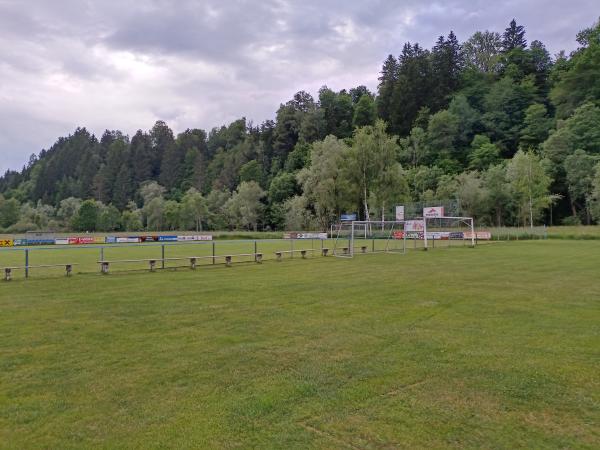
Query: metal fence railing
(46, 261)
(52, 260)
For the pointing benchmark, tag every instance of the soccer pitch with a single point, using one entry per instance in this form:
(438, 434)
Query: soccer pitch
(495, 347)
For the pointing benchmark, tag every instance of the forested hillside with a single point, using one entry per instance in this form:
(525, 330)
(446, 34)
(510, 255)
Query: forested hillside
(495, 122)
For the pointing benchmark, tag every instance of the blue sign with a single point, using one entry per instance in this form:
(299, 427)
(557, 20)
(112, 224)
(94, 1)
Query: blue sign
(167, 238)
(348, 217)
(110, 240)
(39, 242)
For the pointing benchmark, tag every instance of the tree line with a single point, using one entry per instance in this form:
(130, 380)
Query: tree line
(494, 122)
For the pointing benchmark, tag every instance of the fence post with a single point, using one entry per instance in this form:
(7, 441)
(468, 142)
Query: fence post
(163, 256)
(26, 263)
(255, 250)
(213, 252)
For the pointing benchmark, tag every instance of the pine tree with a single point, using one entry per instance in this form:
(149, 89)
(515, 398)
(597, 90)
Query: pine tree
(141, 157)
(447, 63)
(412, 89)
(513, 37)
(387, 80)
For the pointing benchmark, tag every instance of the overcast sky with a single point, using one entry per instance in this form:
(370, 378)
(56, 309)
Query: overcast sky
(122, 64)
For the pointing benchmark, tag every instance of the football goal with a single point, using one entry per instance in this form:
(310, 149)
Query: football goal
(447, 231)
(360, 237)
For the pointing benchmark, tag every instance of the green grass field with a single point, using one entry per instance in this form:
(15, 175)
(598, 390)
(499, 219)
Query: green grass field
(494, 347)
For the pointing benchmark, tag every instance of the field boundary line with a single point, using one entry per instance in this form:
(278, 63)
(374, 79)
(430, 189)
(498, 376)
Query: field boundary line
(328, 436)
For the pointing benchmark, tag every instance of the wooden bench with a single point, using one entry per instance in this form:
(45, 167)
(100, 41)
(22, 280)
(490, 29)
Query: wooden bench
(257, 257)
(8, 270)
(324, 251)
(8, 273)
(363, 248)
(341, 251)
(104, 265)
(280, 253)
(228, 258)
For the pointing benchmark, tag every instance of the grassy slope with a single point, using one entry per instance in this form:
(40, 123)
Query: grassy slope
(493, 347)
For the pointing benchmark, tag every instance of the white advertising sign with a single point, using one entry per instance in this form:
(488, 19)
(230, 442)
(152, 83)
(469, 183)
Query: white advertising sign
(399, 212)
(433, 212)
(128, 240)
(414, 225)
(203, 237)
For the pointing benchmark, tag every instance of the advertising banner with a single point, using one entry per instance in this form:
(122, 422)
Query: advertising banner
(167, 238)
(399, 212)
(99, 239)
(296, 235)
(61, 241)
(456, 235)
(38, 242)
(414, 225)
(433, 212)
(480, 235)
(398, 234)
(6, 242)
(438, 235)
(128, 240)
(205, 237)
(81, 240)
(348, 217)
(19, 242)
(148, 238)
(110, 240)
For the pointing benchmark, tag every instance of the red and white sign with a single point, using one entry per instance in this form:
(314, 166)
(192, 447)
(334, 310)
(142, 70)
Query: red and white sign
(433, 212)
(80, 240)
(399, 213)
(414, 225)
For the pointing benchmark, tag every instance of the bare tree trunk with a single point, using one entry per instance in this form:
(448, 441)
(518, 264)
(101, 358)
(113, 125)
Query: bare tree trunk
(530, 211)
(573, 207)
(366, 205)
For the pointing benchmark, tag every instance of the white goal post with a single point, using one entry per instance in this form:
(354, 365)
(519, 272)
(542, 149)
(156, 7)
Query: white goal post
(365, 236)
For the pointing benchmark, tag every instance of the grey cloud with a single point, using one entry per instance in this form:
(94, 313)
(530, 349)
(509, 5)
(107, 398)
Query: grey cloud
(124, 64)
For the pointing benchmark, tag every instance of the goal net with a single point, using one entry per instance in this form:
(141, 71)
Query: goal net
(360, 237)
(446, 232)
